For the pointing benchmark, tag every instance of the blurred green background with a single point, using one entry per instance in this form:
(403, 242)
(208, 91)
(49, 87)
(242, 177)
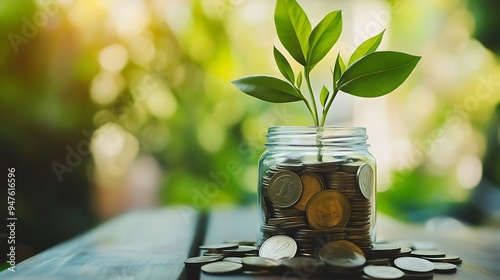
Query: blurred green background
(107, 106)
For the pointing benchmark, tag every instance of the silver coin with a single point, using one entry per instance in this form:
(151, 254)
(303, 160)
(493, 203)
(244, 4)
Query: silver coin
(413, 264)
(232, 259)
(444, 267)
(428, 253)
(215, 247)
(221, 267)
(383, 272)
(285, 189)
(278, 247)
(448, 258)
(364, 179)
(260, 262)
(201, 260)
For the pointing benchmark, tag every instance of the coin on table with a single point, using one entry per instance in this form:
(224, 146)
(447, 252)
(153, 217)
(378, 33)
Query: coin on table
(447, 259)
(278, 247)
(312, 184)
(221, 267)
(328, 209)
(383, 272)
(241, 250)
(386, 248)
(428, 253)
(444, 268)
(260, 262)
(232, 259)
(303, 264)
(201, 260)
(364, 179)
(342, 254)
(216, 247)
(413, 264)
(285, 189)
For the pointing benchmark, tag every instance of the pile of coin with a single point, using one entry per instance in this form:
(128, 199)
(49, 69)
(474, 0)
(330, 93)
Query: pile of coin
(317, 203)
(341, 258)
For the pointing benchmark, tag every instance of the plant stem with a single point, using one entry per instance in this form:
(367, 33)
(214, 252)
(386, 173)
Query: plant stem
(313, 100)
(327, 108)
(319, 144)
(308, 105)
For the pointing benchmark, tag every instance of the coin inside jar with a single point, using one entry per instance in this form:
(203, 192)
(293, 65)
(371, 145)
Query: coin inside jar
(364, 179)
(312, 184)
(285, 189)
(328, 209)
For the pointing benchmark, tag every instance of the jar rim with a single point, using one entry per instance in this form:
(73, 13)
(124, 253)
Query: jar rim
(336, 130)
(336, 136)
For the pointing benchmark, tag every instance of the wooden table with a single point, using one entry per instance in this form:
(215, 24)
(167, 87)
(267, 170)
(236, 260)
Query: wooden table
(152, 244)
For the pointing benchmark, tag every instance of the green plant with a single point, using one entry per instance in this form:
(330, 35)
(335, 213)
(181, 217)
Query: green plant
(367, 74)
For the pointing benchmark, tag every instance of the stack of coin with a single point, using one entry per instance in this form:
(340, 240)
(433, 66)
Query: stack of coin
(228, 250)
(317, 203)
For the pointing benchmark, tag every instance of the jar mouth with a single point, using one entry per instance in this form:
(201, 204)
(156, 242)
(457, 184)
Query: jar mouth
(336, 136)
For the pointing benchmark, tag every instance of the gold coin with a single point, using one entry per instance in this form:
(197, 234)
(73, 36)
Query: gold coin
(312, 184)
(328, 209)
(342, 254)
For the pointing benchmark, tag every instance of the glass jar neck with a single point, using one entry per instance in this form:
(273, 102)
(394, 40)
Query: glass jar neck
(345, 138)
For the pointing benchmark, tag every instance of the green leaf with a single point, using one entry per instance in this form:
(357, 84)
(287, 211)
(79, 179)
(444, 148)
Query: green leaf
(368, 46)
(377, 73)
(338, 69)
(293, 28)
(323, 97)
(267, 88)
(299, 80)
(323, 37)
(284, 66)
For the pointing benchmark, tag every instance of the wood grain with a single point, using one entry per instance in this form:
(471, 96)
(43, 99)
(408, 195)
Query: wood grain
(147, 244)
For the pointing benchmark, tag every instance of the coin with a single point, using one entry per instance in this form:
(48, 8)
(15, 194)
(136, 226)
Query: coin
(444, 268)
(278, 247)
(241, 242)
(342, 254)
(232, 259)
(328, 209)
(364, 179)
(389, 248)
(413, 264)
(312, 184)
(221, 267)
(303, 264)
(219, 246)
(428, 253)
(201, 260)
(447, 259)
(260, 262)
(383, 272)
(285, 189)
(240, 251)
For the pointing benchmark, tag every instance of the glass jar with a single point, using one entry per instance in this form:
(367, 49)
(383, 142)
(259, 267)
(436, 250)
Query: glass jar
(316, 185)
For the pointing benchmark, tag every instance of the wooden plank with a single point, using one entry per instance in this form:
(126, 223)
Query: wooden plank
(478, 247)
(145, 244)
